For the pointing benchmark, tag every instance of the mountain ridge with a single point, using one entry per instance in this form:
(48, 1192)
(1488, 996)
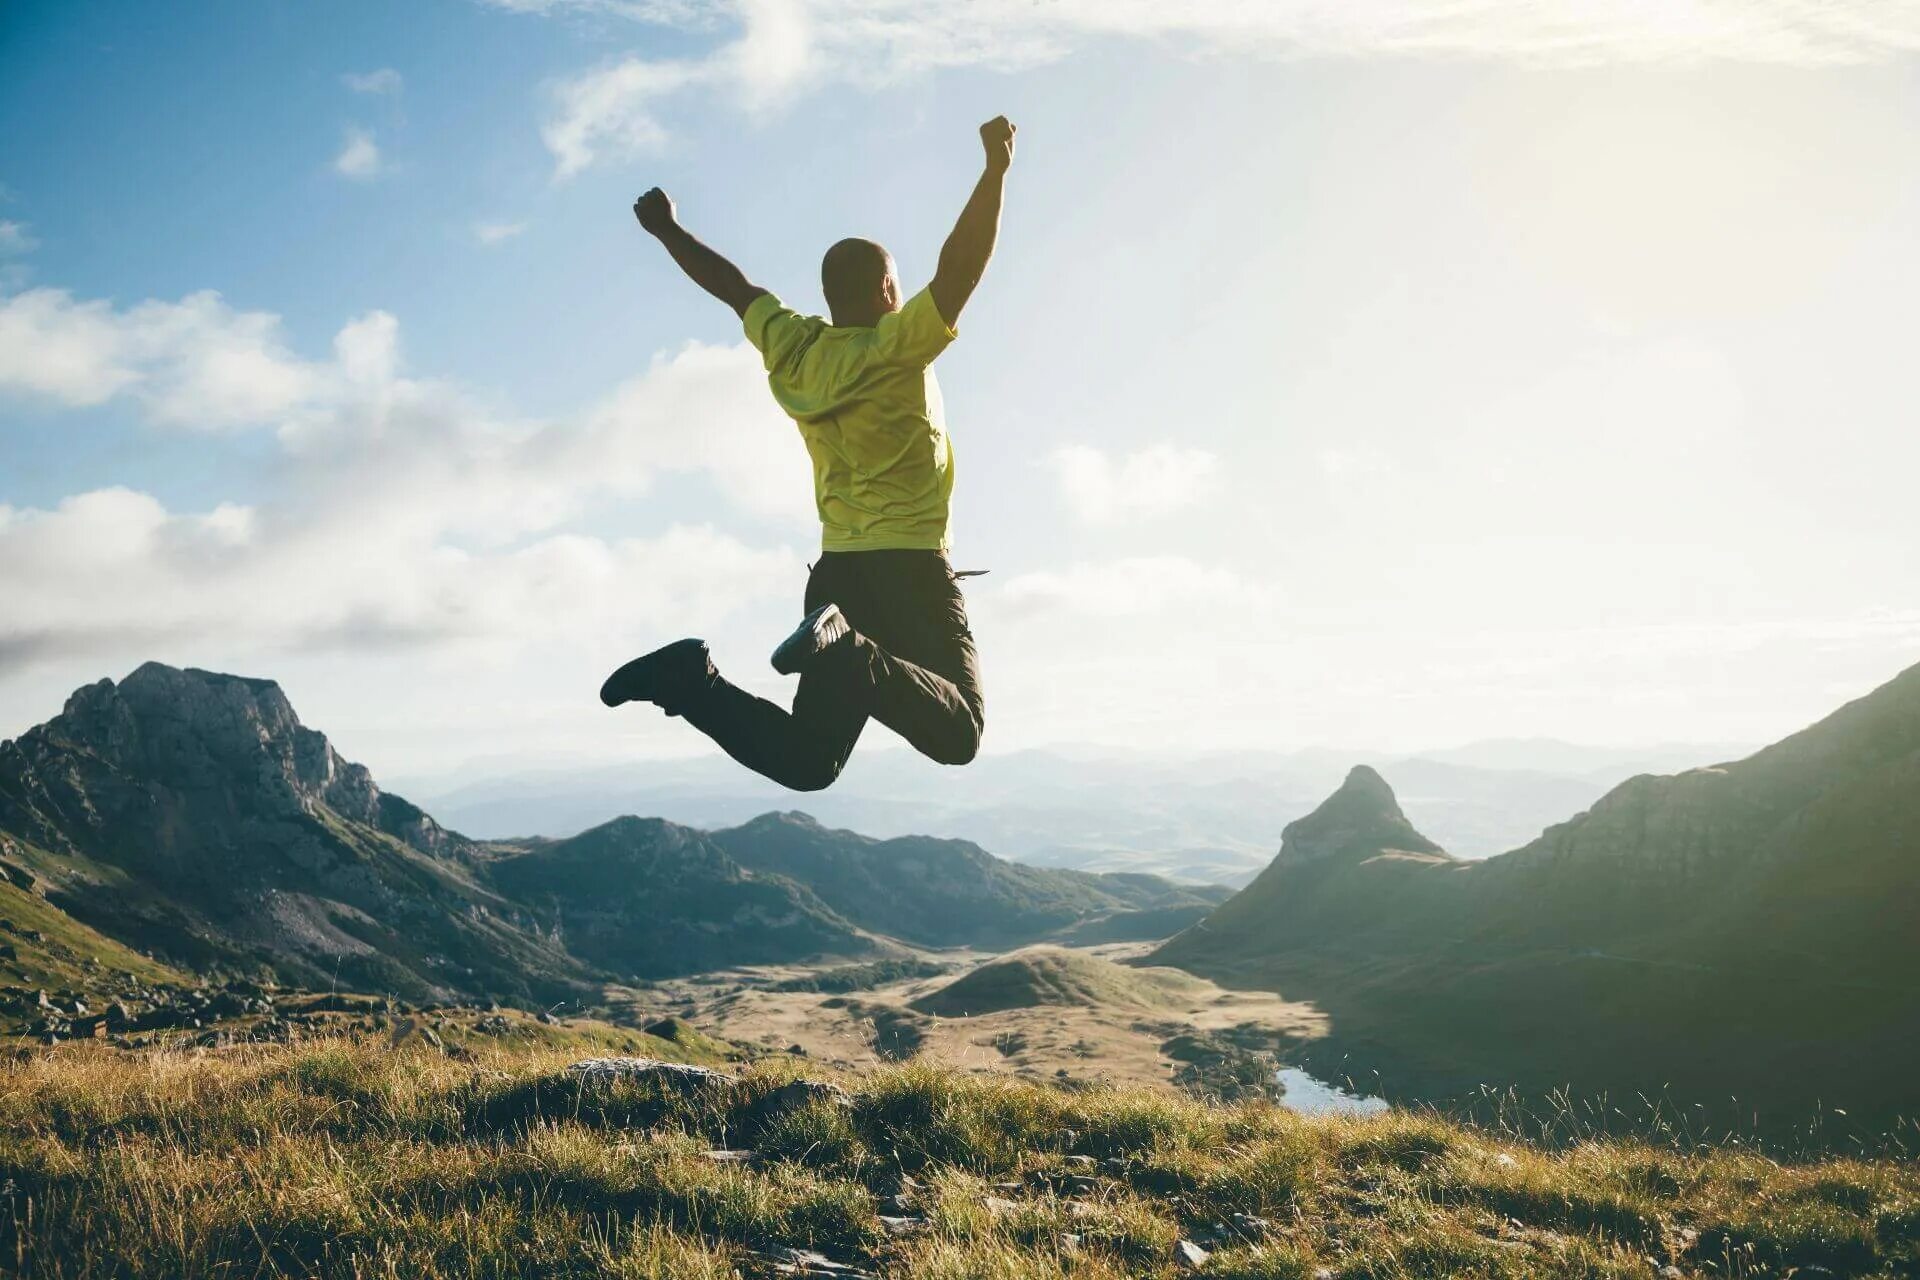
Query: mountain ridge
(1727, 924)
(191, 814)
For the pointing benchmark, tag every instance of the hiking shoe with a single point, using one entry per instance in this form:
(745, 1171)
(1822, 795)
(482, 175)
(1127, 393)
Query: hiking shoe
(819, 631)
(667, 675)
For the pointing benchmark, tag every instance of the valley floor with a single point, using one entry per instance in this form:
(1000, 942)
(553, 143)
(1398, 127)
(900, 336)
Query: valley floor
(1111, 1041)
(354, 1155)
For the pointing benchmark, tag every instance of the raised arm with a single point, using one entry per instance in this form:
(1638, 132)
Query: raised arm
(703, 266)
(963, 259)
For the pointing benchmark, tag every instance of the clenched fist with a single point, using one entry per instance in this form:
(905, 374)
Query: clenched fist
(654, 210)
(997, 136)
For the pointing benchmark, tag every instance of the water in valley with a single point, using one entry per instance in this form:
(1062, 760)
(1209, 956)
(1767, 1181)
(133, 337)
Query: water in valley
(1311, 1096)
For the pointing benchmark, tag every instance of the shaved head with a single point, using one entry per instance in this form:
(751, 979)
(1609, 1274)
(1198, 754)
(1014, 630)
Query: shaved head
(857, 277)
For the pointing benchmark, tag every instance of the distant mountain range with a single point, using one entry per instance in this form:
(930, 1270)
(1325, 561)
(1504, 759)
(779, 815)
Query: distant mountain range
(191, 815)
(1751, 927)
(1207, 818)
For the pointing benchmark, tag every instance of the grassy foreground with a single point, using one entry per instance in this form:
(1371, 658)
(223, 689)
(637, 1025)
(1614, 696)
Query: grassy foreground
(350, 1157)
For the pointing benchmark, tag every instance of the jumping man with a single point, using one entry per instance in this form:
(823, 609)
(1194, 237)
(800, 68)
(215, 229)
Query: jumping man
(885, 634)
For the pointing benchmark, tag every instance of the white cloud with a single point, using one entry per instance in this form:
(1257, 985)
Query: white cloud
(70, 351)
(610, 111)
(492, 233)
(783, 46)
(15, 239)
(359, 155)
(240, 576)
(1149, 482)
(404, 512)
(383, 81)
(195, 363)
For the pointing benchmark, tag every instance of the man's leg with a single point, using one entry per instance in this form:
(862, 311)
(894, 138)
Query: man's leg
(803, 749)
(914, 653)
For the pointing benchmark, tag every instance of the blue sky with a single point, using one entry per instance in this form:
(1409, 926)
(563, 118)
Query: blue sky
(1386, 375)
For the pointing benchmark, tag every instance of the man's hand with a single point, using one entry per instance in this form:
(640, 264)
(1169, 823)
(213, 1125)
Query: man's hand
(655, 211)
(997, 136)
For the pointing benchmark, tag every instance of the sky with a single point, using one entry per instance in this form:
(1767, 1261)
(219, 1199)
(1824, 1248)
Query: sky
(1385, 373)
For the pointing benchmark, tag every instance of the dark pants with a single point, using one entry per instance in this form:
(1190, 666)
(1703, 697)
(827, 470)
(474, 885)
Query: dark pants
(910, 665)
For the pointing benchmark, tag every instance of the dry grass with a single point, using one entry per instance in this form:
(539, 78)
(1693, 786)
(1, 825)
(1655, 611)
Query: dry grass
(347, 1158)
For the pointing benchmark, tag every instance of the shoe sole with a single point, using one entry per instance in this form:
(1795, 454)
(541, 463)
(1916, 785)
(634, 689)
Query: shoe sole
(819, 630)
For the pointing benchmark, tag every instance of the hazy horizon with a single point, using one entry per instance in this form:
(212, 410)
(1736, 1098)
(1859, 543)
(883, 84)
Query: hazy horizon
(1364, 376)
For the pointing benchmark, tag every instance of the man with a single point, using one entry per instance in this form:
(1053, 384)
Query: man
(885, 635)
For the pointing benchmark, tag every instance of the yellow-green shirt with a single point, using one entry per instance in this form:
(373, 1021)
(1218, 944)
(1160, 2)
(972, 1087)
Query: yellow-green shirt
(869, 409)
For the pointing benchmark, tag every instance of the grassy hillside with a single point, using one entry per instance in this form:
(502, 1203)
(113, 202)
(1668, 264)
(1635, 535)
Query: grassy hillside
(1745, 929)
(344, 1158)
(43, 946)
(642, 896)
(1042, 976)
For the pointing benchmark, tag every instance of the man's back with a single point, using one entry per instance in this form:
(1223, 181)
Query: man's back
(869, 408)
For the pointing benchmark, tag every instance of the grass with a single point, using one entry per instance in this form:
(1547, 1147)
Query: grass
(43, 946)
(348, 1157)
(1056, 976)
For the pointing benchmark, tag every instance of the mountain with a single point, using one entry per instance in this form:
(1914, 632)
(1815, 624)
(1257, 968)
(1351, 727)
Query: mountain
(1746, 927)
(638, 895)
(1201, 817)
(191, 816)
(941, 893)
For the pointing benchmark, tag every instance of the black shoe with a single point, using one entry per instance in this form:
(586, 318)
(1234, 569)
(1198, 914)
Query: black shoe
(819, 631)
(669, 675)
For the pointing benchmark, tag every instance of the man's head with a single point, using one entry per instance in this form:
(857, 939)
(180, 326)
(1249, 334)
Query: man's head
(860, 283)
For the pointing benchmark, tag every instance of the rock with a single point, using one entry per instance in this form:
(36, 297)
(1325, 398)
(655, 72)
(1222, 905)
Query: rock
(1081, 1162)
(1189, 1256)
(805, 1262)
(795, 1094)
(999, 1205)
(1250, 1226)
(723, 1155)
(679, 1074)
(19, 875)
(901, 1226)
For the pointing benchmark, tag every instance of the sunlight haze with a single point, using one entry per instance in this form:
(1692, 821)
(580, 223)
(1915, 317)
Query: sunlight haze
(1378, 375)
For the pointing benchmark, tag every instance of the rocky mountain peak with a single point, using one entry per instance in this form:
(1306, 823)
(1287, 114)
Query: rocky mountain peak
(1359, 820)
(206, 733)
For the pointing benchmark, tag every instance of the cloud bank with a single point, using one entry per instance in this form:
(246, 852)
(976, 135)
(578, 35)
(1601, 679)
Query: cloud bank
(399, 511)
(782, 47)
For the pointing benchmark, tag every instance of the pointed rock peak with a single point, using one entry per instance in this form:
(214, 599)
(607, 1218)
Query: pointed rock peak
(1364, 785)
(1361, 819)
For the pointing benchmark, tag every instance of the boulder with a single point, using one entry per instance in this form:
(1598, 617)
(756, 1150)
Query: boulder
(678, 1074)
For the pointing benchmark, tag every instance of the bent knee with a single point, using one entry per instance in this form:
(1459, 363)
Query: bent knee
(814, 777)
(963, 747)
